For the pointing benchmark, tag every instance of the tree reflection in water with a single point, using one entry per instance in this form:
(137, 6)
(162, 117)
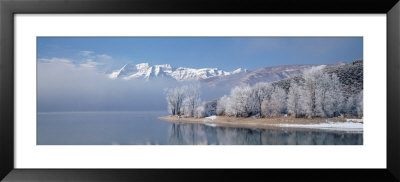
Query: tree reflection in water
(198, 134)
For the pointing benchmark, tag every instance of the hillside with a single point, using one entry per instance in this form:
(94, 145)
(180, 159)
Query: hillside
(265, 74)
(350, 76)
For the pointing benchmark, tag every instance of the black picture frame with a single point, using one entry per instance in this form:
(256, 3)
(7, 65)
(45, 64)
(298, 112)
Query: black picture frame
(8, 8)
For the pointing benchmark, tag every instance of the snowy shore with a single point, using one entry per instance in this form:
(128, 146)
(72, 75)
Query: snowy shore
(349, 126)
(324, 124)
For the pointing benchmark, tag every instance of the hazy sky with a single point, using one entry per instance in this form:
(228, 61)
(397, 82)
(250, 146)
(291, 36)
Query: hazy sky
(228, 53)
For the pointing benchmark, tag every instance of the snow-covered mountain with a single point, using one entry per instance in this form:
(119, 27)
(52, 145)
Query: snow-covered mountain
(211, 76)
(145, 71)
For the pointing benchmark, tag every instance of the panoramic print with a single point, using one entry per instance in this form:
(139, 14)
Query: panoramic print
(200, 91)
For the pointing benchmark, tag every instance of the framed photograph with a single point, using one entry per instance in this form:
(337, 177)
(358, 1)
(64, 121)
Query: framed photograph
(122, 91)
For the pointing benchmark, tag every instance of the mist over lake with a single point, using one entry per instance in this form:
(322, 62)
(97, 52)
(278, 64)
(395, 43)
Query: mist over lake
(65, 87)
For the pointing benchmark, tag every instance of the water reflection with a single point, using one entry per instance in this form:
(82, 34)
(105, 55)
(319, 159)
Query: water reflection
(198, 134)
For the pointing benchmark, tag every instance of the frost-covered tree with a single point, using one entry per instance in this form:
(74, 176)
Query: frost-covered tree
(354, 105)
(261, 92)
(329, 98)
(200, 111)
(183, 100)
(360, 102)
(231, 108)
(294, 100)
(222, 104)
(311, 79)
(192, 99)
(241, 102)
(305, 102)
(276, 103)
(174, 99)
(238, 101)
(322, 93)
(316, 93)
(350, 108)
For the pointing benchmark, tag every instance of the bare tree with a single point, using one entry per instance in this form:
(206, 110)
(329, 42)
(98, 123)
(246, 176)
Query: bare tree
(174, 99)
(183, 100)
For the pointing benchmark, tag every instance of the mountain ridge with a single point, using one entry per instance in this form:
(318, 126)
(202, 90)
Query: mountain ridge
(211, 76)
(145, 71)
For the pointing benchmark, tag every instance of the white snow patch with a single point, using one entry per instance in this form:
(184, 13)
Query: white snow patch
(355, 120)
(212, 117)
(336, 126)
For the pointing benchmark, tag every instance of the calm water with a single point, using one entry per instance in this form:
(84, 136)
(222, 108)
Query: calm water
(138, 128)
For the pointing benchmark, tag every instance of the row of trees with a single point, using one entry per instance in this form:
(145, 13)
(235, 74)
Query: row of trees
(184, 100)
(260, 100)
(316, 94)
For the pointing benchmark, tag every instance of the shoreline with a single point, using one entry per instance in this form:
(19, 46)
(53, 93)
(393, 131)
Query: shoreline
(286, 123)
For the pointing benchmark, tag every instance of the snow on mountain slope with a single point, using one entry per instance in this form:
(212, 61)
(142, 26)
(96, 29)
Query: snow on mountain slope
(265, 74)
(270, 74)
(145, 71)
(196, 74)
(210, 76)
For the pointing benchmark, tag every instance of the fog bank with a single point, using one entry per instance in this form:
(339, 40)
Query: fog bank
(63, 86)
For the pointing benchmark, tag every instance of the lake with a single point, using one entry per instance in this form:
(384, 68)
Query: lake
(143, 128)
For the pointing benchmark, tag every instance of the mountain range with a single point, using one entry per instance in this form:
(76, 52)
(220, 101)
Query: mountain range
(145, 71)
(209, 76)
